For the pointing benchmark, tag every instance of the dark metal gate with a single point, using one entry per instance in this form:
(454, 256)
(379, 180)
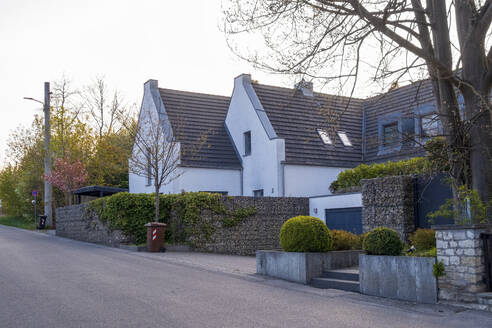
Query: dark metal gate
(487, 252)
(429, 194)
(349, 219)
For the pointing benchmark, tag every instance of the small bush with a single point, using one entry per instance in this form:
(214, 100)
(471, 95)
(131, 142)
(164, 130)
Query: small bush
(382, 241)
(424, 239)
(344, 240)
(305, 234)
(438, 269)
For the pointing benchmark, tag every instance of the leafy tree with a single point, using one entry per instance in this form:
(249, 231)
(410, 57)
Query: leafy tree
(67, 175)
(334, 41)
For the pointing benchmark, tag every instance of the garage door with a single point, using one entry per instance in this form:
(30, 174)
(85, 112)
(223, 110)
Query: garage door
(349, 219)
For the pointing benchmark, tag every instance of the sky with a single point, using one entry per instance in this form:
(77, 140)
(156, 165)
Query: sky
(127, 42)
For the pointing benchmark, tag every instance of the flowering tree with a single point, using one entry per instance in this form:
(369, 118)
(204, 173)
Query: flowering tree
(67, 176)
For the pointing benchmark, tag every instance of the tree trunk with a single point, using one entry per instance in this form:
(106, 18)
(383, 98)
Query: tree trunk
(480, 143)
(156, 219)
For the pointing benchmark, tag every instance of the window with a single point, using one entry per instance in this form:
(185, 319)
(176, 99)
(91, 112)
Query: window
(345, 140)
(323, 134)
(429, 125)
(247, 143)
(258, 193)
(149, 172)
(390, 134)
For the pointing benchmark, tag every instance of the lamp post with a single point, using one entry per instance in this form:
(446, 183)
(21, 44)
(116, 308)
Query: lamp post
(47, 155)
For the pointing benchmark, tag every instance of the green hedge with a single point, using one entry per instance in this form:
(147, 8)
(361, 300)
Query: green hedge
(130, 212)
(305, 234)
(345, 240)
(351, 177)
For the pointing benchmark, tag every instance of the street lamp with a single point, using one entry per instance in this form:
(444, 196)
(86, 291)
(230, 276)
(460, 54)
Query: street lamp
(47, 156)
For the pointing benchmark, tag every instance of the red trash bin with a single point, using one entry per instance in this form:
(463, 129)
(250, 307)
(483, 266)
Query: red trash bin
(155, 236)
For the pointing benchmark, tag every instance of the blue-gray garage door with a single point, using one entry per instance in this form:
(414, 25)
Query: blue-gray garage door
(349, 219)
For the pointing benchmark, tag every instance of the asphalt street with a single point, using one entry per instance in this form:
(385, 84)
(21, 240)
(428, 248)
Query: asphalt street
(47, 281)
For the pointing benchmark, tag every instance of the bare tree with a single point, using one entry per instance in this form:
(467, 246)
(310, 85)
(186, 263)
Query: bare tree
(156, 154)
(106, 108)
(335, 40)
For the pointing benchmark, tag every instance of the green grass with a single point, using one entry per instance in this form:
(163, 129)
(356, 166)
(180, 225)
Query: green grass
(18, 222)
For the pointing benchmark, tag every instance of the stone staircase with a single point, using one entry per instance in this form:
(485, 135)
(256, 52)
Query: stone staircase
(344, 279)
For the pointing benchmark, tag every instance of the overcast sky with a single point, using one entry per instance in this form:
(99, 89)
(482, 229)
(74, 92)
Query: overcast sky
(126, 41)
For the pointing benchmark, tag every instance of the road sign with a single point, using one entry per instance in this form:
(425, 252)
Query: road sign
(34, 193)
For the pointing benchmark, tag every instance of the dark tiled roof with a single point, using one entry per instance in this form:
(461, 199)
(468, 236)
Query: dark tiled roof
(196, 115)
(403, 100)
(296, 117)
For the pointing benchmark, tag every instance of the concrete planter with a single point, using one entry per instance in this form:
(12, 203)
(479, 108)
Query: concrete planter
(400, 277)
(302, 267)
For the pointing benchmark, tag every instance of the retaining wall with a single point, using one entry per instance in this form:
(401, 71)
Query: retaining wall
(259, 231)
(77, 222)
(302, 267)
(399, 277)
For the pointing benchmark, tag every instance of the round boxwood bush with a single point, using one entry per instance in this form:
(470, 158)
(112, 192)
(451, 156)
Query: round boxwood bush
(305, 234)
(424, 239)
(382, 241)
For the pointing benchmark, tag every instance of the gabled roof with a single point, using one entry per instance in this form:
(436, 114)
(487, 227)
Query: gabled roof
(194, 115)
(296, 118)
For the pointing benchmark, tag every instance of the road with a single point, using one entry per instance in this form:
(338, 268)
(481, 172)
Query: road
(48, 281)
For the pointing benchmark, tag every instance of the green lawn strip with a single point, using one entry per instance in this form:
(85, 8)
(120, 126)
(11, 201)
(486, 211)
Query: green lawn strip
(18, 222)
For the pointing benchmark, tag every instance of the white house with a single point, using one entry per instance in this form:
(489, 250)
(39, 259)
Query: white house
(272, 141)
(262, 141)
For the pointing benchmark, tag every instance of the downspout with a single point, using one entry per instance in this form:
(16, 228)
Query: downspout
(242, 183)
(363, 134)
(282, 175)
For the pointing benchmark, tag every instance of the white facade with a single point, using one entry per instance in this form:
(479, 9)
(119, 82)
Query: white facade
(308, 180)
(317, 205)
(194, 179)
(262, 168)
(189, 178)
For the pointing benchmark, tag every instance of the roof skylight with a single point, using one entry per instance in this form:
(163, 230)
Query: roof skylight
(324, 136)
(345, 140)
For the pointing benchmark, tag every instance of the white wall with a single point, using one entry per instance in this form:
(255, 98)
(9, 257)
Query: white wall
(261, 169)
(317, 205)
(308, 181)
(190, 179)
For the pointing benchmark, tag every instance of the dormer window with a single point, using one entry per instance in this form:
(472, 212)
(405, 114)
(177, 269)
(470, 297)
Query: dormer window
(429, 125)
(391, 135)
(323, 134)
(345, 139)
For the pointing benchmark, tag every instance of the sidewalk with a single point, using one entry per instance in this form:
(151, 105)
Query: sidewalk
(233, 264)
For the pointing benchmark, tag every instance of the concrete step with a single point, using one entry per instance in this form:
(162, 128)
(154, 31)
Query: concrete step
(329, 283)
(341, 275)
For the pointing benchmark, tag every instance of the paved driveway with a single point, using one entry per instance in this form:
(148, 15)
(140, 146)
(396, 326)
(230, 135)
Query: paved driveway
(48, 281)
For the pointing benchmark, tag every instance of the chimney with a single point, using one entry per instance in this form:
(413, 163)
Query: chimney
(306, 88)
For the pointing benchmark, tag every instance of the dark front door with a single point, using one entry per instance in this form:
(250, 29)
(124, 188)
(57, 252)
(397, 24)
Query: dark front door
(349, 219)
(430, 194)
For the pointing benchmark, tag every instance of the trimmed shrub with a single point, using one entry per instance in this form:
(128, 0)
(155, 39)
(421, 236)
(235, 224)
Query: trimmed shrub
(382, 241)
(351, 178)
(423, 239)
(305, 234)
(345, 240)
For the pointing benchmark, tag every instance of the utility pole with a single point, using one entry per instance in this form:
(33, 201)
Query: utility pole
(47, 155)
